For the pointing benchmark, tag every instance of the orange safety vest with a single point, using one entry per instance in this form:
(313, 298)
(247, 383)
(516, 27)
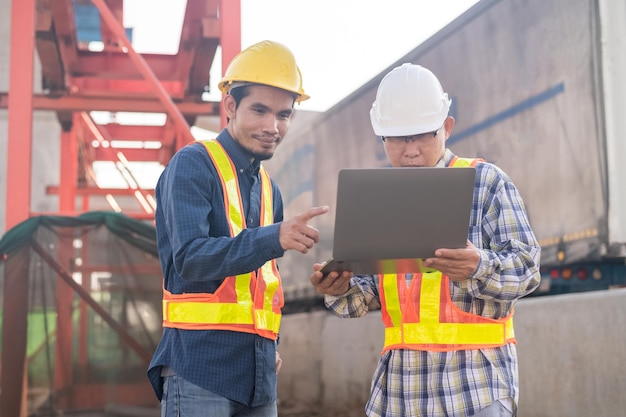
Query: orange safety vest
(250, 302)
(423, 316)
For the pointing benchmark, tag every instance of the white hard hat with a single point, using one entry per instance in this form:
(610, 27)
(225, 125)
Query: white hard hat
(409, 101)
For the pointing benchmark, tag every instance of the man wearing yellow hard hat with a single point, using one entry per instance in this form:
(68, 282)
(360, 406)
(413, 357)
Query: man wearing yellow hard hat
(220, 228)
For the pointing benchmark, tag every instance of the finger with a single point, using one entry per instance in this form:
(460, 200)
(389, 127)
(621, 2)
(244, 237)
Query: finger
(339, 285)
(312, 233)
(313, 212)
(455, 254)
(316, 278)
(307, 241)
(318, 266)
(326, 281)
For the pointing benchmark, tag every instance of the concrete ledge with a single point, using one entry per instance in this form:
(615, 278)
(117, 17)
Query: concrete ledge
(571, 353)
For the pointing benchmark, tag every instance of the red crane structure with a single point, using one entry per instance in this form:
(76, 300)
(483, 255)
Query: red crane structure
(77, 81)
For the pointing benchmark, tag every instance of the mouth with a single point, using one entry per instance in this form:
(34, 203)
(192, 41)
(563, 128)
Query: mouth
(267, 140)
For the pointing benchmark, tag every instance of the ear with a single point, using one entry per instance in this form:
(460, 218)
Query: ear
(448, 124)
(230, 106)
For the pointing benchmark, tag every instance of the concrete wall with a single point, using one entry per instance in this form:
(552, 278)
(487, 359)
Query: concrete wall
(571, 354)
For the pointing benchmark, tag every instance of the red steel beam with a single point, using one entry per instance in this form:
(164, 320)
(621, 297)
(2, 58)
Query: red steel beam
(69, 169)
(13, 385)
(199, 40)
(65, 30)
(146, 71)
(47, 43)
(113, 104)
(230, 15)
(15, 313)
(87, 191)
(117, 65)
(108, 36)
(64, 344)
(133, 155)
(20, 106)
(134, 132)
(102, 86)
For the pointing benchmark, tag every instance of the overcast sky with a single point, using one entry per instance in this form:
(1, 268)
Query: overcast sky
(339, 44)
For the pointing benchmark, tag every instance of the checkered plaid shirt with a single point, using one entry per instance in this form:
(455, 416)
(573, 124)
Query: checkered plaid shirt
(460, 383)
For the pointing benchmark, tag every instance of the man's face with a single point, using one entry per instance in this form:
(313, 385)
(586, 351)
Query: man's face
(423, 150)
(261, 120)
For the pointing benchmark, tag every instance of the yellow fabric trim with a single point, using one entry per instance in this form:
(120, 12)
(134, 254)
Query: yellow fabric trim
(464, 162)
(392, 298)
(509, 331)
(231, 186)
(242, 289)
(430, 330)
(446, 333)
(393, 336)
(267, 320)
(454, 333)
(430, 296)
(207, 313)
(266, 187)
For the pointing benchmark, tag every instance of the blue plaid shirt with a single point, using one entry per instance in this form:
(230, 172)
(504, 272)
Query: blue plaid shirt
(410, 383)
(196, 253)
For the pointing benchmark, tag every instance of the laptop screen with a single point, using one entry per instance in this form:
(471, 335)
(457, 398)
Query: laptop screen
(386, 214)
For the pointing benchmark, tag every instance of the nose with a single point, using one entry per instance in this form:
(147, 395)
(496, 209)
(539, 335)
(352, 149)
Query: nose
(412, 147)
(271, 124)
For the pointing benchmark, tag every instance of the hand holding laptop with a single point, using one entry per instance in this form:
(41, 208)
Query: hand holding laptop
(457, 264)
(330, 283)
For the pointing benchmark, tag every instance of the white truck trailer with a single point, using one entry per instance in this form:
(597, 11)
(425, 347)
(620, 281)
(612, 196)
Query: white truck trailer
(539, 88)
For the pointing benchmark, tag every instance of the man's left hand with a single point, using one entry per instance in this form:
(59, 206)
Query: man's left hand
(457, 264)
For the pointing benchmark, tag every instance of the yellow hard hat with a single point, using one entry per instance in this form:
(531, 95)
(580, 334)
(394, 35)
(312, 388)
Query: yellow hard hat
(268, 63)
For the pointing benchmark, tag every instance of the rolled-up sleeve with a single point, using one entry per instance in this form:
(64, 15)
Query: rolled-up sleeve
(509, 252)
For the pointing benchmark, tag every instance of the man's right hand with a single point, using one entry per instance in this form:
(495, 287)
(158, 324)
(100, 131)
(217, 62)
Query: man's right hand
(297, 234)
(333, 283)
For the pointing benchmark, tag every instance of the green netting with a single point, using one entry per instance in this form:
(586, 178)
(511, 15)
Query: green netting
(113, 258)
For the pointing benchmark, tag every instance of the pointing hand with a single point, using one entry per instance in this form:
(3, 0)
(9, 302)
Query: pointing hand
(297, 234)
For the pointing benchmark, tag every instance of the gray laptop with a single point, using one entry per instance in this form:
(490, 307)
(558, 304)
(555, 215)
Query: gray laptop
(388, 219)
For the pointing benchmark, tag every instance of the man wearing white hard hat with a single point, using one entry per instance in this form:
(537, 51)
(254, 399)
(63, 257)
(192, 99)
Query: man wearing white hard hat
(449, 345)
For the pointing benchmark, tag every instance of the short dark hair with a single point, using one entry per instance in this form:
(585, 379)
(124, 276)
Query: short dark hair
(239, 93)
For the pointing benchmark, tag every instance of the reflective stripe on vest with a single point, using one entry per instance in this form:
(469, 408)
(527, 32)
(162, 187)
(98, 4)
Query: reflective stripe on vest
(457, 162)
(248, 302)
(423, 316)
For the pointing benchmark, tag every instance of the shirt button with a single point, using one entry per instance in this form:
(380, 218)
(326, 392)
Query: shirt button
(250, 220)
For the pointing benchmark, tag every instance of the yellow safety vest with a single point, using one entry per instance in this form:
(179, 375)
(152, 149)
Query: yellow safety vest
(248, 302)
(423, 316)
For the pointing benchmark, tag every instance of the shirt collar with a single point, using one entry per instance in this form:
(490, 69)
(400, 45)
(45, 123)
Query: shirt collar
(237, 154)
(445, 159)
